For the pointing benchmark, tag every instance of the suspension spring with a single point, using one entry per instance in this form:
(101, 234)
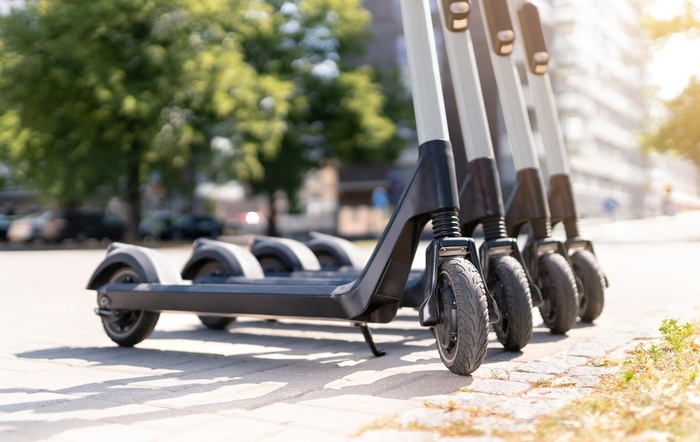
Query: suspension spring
(445, 223)
(494, 228)
(541, 228)
(571, 226)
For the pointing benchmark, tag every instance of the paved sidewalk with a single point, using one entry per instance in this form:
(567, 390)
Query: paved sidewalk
(61, 378)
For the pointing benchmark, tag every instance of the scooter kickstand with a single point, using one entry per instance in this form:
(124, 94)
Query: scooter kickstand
(368, 339)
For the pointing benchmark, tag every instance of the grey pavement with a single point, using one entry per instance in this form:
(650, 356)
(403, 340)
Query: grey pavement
(61, 378)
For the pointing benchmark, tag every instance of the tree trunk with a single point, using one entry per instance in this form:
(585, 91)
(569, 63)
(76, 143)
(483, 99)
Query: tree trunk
(133, 201)
(272, 218)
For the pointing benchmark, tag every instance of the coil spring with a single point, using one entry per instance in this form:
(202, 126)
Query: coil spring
(541, 228)
(571, 226)
(445, 223)
(494, 228)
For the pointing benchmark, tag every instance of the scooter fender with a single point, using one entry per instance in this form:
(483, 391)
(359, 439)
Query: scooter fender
(237, 260)
(151, 265)
(343, 251)
(294, 254)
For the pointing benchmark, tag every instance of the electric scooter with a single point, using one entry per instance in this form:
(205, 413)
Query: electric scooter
(561, 196)
(546, 258)
(135, 284)
(481, 201)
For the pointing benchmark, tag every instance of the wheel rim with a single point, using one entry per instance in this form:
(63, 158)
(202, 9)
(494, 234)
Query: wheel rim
(496, 287)
(121, 322)
(447, 329)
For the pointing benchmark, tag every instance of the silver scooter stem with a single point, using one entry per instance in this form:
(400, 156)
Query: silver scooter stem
(426, 87)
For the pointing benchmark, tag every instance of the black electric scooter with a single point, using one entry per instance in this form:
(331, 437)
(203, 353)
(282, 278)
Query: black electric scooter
(562, 204)
(135, 284)
(546, 258)
(481, 201)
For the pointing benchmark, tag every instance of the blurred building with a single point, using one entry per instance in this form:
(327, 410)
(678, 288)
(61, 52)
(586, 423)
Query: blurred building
(598, 74)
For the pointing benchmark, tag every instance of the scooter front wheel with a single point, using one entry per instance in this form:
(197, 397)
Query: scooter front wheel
(213, 268)
(463, 325)
(558, 285)
(588, 270)
(509, 286)
(128, 327)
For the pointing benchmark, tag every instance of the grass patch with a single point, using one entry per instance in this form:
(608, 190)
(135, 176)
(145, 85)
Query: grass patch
(657, 389)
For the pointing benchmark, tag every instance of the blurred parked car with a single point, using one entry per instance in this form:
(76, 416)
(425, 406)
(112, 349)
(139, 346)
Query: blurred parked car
(80, 225)
(193, 226)
(27, 228)
(157, 225)
(5, 222)
(248, 223)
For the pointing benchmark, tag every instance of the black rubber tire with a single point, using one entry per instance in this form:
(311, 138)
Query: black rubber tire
(213, 268)
(592, 300)
(508, 284)
(273, 264)
(558, 285)
(327, 261)
(462, 331)
(128, 327)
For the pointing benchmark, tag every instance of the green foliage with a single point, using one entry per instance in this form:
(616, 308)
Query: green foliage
(679, 133)
(688, 22)
(107, 90)
(337, 110)
(97, 94)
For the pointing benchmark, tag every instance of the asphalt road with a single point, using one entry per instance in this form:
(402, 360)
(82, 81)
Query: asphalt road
(62, 378)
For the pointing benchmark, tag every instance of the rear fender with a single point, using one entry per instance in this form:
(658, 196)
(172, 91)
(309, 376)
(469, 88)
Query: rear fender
(151, 265)
(294, 254)
(236, 260)
(341, 250)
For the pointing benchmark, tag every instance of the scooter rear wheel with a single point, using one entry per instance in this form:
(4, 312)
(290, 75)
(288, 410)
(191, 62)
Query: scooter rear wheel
(509, 286)
(558, 285)
(588, 270)
(213, 268)
(463, 328)
(273, 264)
(128, 327)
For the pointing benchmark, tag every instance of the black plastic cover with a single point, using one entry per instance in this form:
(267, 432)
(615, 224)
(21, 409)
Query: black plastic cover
(533, 37)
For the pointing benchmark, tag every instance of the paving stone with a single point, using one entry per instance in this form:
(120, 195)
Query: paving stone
(476, 400)
(363, 404)
(421, 416)
(587, 349)
(590, 370)
(493, 423)
(397, 436)
(14, 400)
(232, 428)
(556, 364)
(340, 422)
(497, 386)
(521, 376)
(529, 408)
(566, 393)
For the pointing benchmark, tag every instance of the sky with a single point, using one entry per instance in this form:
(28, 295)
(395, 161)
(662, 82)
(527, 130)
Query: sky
(678, 59)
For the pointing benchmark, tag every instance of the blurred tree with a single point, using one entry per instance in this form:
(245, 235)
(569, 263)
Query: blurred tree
(680, 132)
(98, 93)
(338, 110)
